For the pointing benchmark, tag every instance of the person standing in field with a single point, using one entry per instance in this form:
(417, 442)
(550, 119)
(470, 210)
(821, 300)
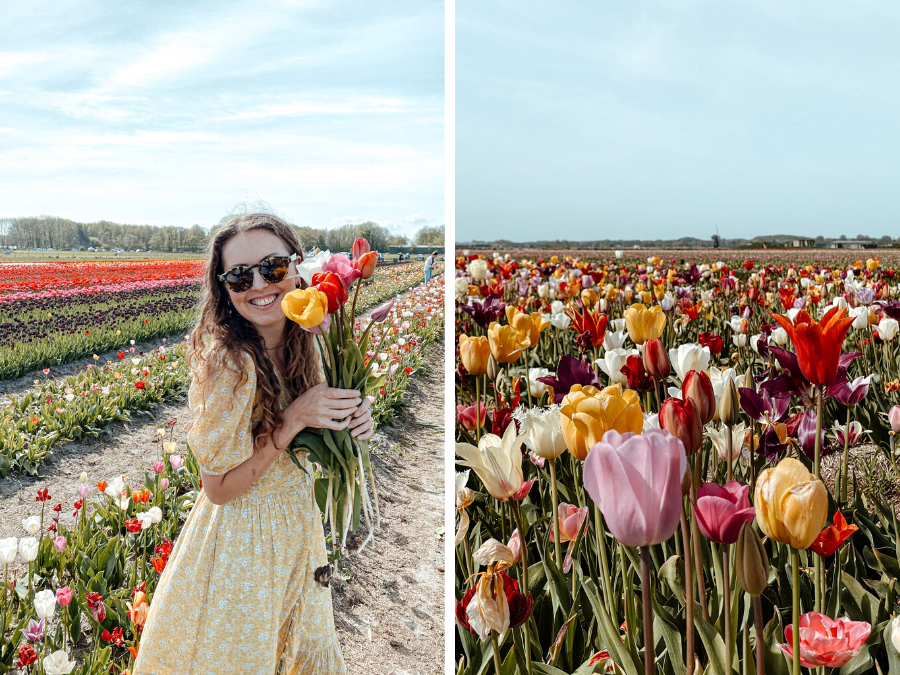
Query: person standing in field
(243, 592)
(429, 266)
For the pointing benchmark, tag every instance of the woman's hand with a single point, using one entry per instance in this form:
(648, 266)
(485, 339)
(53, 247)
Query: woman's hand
(323, 407)
(362, 426)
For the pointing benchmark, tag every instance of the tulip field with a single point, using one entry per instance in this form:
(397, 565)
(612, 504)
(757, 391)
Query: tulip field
(52, 313)
(75, 599)
(678, 463)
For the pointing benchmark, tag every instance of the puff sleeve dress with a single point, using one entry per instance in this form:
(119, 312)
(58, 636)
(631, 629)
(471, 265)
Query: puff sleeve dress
(238, 594)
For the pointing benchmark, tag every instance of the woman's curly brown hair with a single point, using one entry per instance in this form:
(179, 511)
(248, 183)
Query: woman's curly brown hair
(222, 333)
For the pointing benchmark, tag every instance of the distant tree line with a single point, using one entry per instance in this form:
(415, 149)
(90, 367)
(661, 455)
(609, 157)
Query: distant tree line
(64, 234)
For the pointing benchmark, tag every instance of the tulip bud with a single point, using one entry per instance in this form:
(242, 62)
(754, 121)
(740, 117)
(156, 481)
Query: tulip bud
(698, 388)
(748, 381)
(751, 561)
(894, 419)
(493, 368)
(656, 359)
(686, 481)
(681, 419)
(729, 405)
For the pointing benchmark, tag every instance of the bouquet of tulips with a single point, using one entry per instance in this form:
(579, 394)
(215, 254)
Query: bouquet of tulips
(321, 310)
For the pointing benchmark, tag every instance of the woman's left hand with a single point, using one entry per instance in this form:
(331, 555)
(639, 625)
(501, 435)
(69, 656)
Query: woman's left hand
(362, 426)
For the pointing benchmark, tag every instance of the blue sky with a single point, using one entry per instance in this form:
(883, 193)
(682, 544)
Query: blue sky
(174, 113)
(595, 120)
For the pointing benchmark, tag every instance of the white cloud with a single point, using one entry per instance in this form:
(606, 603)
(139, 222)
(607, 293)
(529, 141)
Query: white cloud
(347, 220)
(417, 219)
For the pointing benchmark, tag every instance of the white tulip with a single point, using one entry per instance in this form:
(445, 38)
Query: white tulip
(543, 291)
(155, 514)
(122, 503)
(895, 633)
(738, 325)
(651, 421)
(45, 604)
(840, 301)
(739, 340)
(145, 519)
(667, 303)
(718, 378)
(461, 286)
(792, 313)
(689, 357)
(618, 324)
(8, 549)
(779, 336)
(860, 317)
(719, 438)
(753, 340)
(32, 524)
(561, 321)
(544, 436)
(114, 487)
(28, 548)
(614, 339)
(619, 255)
(887, 328)
(58, 663)
(612, 363)
(478, 269)
(557, 307)
(537, 388)
(312, 265)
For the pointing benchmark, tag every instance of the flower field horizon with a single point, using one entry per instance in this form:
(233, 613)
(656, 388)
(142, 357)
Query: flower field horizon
(640, 441)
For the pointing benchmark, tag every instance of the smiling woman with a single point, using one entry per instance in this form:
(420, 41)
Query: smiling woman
(257, 383)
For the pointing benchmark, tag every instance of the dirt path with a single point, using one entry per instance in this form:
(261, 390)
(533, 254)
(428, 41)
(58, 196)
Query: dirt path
(390, 615)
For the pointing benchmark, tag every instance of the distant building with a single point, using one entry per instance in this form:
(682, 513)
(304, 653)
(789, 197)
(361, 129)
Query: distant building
(853, 243)
(804, 243)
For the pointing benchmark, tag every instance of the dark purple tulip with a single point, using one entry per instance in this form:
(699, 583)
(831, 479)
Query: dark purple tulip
(892, 308)
(483, 313)
(806, 434)
(764, 407)
(791, 381)
(570, 372)
(770, 446)
(841, 378)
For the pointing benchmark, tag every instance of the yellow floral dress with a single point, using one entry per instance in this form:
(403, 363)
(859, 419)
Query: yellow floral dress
(238, 594)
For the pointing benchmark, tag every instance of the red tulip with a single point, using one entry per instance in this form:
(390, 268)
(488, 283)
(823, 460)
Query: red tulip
(818, 344)
(681, 419)
(468, 418)
(332, 286)
(833, 537)
(825, 641)
(638, 378)
(711, 340)
(698, 388)
(656, 359)
(721, 511)
(589, 322)
(366, 264)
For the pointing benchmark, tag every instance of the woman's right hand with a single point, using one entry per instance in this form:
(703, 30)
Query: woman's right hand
(323, 407)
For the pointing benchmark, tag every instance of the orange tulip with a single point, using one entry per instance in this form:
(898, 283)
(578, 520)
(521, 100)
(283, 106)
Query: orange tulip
(833, 537)
(818, 344)
(474, 353)
(589, 322)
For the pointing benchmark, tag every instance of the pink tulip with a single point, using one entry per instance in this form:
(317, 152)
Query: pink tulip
(83, 490)
(571, 519)
(176, 461)
(343, 267)
(635, 481)
(158, 466)
(360, 248)
(468, 418)
(59, 544)
(894, 419)
(380, 313)
(721, 511)
(515, 545)
(825, 641)
(64, 596)
(164, 483)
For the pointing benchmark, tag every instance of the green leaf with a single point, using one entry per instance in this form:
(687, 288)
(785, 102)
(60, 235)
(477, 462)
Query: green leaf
(776, 661)
(672, 572)
(715, 646)
(609, 633)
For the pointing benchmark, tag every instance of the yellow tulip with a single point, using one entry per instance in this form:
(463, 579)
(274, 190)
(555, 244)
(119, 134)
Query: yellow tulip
(474, 353)
(872, 264)
(587, 413)
(791, 504)
(644, 324)
(589, 297)
(528, 328)
(504, 343)
(308, 306)
(554, 259)
(659, 291)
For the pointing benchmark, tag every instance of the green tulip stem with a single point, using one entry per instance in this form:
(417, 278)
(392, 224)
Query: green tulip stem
(846, 459)
(795, 571)
(468, 556)
(726, 606)
(555, 500)
(760, 643)
(477, 409)
(647, 596)
(818, 570)
(728, 443)
(527, 379)
(689, 596)
(517, 512)
(496, 652)
(695, 536)
(604, 563)
(629, 604)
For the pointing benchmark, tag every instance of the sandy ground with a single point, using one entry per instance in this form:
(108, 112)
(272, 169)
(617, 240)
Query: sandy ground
(389, 613)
